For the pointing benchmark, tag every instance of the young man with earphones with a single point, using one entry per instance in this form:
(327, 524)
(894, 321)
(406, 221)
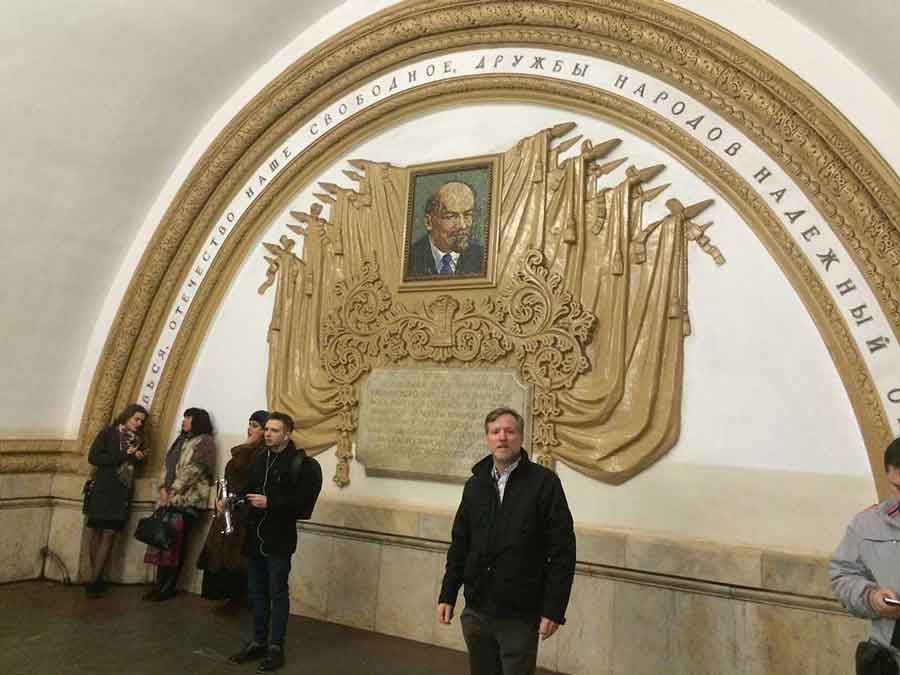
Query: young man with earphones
(276, 500)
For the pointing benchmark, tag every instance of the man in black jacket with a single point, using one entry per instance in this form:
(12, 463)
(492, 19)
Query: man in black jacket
(275, 498)
(513, 545)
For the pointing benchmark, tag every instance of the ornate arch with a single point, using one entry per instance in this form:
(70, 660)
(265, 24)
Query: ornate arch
(840, 174)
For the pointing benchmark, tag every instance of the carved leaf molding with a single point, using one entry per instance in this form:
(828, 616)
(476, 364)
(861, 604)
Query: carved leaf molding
(536, 319)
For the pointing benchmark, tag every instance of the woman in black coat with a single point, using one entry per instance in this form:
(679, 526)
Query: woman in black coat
(115, 453)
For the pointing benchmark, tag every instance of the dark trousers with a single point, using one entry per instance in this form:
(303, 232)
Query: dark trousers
(499, 645)
(267, 586)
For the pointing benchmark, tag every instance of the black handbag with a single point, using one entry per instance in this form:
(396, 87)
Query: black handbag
(873, 659)
(154, 530)
(86, 493)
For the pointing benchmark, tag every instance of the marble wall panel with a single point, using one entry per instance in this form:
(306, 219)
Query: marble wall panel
(382, 520)
(435, 526)
(447, 636)
(23, 533)
(697, 560)
(548, 652)
(67, 538)
(67, 486)
(775, 639)
(146, 491)
(600, 548)
(191, 579)
(406, 601)
(585, 642)
(22, 485)
(310, 574)
(329, 512)
(642, 622)
(792, 573)
(837, 636)
(353, 584)
(704, 635)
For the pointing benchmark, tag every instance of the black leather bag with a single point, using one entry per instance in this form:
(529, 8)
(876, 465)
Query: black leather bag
(873, 659)
(154, 530)
(86, 493)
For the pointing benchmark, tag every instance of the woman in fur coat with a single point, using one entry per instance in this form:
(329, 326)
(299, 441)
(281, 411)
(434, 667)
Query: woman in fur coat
(184, 492)
(222, 560)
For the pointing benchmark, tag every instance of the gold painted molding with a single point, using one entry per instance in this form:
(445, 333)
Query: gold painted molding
(840, 173)
(40, 455)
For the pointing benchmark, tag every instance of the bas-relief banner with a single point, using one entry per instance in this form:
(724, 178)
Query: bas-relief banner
(585, 300)
(840, 277)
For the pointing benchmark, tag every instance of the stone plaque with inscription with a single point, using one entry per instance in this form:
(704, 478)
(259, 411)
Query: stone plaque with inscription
(429, 422)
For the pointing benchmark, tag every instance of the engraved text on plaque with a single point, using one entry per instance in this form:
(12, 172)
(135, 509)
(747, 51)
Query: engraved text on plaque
(429, 422)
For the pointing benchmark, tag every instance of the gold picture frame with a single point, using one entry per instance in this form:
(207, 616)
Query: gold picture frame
(452, 206)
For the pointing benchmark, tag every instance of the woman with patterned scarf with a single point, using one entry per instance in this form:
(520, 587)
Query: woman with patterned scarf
(184, 491)
(115, 453)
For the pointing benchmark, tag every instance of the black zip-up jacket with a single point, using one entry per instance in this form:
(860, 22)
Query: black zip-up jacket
(273, 530)
(516, 558)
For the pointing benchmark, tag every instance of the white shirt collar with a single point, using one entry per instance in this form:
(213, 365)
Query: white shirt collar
(439, 255)
(502, 477)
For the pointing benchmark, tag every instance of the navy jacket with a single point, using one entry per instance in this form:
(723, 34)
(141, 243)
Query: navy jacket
(516, 558)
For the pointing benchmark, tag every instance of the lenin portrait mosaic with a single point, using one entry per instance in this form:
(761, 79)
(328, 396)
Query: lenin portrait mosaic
(448, 224)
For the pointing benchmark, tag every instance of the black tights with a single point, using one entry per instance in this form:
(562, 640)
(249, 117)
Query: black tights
(100, 546)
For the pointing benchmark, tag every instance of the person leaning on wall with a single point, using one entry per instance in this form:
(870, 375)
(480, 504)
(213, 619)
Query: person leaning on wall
(185, 483)
(222, 560)
(115, 453)
(865, 574)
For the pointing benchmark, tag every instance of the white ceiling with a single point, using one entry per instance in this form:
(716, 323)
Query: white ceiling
(865, 31)
(101, 98)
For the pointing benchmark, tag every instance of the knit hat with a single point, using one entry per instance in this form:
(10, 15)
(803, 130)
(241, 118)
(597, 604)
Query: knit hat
(260, 417)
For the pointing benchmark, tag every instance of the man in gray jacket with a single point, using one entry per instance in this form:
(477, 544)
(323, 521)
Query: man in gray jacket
(865, 568)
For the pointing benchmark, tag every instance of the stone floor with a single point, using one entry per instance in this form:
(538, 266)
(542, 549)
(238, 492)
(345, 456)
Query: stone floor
(49, 628)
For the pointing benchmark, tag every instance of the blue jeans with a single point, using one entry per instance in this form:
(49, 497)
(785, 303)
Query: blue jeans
(267, 586)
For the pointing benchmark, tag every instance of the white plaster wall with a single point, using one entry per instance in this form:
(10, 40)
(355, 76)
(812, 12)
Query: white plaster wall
(767, 427)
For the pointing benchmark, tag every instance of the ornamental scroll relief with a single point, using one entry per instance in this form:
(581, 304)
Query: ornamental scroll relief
(569, 286)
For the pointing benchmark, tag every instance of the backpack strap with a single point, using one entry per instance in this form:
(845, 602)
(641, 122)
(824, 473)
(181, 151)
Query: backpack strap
(297, 467)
